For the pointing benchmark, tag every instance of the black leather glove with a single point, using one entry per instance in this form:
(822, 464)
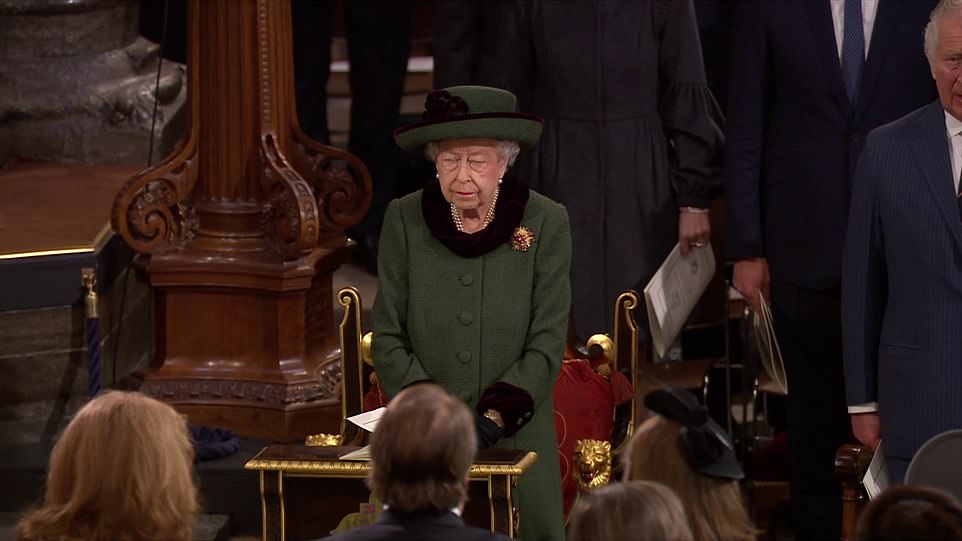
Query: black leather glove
(488, 431)
(515, 405)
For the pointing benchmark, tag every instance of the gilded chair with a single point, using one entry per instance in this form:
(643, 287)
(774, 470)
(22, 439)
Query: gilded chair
(610, 363)
(595, 401)
(356, 370)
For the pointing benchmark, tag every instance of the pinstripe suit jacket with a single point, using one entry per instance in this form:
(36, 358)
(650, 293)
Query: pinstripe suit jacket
(902, 283)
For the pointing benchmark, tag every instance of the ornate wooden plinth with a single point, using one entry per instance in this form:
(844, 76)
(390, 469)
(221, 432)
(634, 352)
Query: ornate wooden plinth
(244, 227)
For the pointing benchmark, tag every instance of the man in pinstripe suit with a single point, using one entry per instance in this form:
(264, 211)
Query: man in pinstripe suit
(902, 267)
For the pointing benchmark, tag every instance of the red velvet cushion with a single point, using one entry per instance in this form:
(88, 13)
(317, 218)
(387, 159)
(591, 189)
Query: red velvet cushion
(374, 397)
(770, 461)
(584, 403)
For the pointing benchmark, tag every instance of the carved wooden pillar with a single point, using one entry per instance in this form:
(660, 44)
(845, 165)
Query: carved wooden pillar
(244, 226)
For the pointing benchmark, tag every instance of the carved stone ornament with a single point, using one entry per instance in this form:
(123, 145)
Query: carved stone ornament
(78, 85)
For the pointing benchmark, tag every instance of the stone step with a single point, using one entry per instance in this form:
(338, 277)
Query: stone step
(44, 357)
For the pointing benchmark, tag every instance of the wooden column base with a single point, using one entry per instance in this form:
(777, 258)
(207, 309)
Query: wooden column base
(240, 343)
(286, 423)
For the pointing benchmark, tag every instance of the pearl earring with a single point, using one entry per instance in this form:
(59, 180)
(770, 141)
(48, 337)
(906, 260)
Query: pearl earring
(437, 176)
(500, 180)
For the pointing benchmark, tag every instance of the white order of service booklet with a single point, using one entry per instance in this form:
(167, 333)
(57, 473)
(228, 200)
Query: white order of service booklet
(674, 290)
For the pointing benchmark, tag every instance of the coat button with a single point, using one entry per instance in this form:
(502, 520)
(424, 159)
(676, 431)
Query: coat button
(465, 318)
(466, 279)
(464, 357)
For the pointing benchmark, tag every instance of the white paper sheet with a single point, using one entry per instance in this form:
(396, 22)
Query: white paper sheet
(876, 477)
(768, 350)
(674, 291)
(367, 420)
(361, 455)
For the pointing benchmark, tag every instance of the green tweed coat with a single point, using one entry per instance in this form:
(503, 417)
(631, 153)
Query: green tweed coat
(467, 323)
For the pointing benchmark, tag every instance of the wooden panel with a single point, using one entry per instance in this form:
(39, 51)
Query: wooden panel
(46, 206)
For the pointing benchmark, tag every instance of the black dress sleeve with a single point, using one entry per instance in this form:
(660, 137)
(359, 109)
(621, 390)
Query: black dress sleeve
(691, 117)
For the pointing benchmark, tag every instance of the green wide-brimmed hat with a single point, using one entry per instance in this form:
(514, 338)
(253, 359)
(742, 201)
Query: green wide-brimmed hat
(469, 112)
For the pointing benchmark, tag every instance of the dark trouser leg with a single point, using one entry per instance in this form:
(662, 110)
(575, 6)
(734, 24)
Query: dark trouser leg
(897, 469)
(312, 23)
(808, 326)
(378, 41)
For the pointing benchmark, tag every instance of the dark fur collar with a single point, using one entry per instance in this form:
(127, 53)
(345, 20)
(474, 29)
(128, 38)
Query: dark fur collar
(508, 212)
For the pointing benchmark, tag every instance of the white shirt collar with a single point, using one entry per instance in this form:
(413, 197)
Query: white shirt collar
(456, 510)
(952, 124)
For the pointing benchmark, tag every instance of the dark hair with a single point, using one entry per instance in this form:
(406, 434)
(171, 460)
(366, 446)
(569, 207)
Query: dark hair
(629, 510)
(422, 450)
(910, 512)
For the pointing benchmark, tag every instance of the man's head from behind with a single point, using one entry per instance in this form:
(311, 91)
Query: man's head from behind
(422, 450)
(910, 512)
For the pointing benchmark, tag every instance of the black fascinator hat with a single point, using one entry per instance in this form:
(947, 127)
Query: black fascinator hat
(707, 447)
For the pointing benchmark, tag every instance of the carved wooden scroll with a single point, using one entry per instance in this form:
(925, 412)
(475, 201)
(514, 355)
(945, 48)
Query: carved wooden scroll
(243, 227)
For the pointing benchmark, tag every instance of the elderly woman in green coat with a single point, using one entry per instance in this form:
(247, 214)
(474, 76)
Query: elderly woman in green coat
(473, 286)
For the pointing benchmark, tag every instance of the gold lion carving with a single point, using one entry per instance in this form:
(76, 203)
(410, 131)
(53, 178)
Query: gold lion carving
(592, 463)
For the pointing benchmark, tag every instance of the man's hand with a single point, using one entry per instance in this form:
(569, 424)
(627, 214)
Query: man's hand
(867, 429)
(750, 277)
(694, 230)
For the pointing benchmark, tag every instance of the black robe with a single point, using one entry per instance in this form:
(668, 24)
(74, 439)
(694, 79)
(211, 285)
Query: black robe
(631, 132)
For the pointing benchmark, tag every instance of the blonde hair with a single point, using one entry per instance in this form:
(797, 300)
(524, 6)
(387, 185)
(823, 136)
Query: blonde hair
(422, 450)
(714, 506)
(629, 510)
(121, 471)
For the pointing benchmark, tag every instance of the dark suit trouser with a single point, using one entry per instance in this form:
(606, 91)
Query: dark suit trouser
(808, 326)
(379, 42)
(897, 469)
(312, 25)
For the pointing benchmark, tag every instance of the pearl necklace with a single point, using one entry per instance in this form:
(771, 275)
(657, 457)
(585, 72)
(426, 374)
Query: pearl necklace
(488, 216)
